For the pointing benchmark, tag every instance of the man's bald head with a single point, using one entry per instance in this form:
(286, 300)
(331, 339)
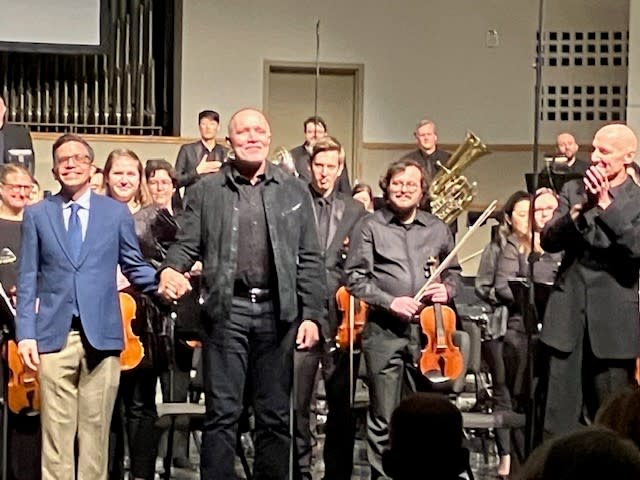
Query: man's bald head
(614, 147)
(246, 112)
(250, 135)
(622, 136)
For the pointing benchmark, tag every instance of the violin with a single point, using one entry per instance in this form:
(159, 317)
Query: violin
(440, 359)
(354, 317)
(23, 394)
(133, 351)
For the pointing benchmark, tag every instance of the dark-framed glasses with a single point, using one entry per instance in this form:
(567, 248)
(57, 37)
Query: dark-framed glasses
(78, 159)
(15, 188)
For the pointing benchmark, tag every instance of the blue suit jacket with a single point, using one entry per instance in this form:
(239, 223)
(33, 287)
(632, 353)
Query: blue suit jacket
(47, 272)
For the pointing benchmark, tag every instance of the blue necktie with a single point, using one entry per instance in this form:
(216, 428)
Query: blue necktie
(74, 231)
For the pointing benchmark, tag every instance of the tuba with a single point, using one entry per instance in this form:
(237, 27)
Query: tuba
(282, 157)
(450, 192)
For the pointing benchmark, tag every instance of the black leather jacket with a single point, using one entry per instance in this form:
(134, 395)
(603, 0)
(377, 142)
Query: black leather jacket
(210, 233)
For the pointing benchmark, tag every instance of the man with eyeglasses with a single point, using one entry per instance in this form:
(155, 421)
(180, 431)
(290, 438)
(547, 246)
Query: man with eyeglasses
(71, 245)
(386, 267)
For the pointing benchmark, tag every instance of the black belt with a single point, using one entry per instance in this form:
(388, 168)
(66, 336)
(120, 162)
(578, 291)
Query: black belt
(256, 295)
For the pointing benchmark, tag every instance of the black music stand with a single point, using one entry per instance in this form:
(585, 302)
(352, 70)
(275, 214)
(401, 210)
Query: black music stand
(532, 315)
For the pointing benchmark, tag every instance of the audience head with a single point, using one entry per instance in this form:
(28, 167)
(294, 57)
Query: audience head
(363, 193)
(544, 206)
(314, 128)
(208, 124)
(404, 186)
(326, 164)
(589, 453)
(249, 137)
(567, 146)
(426, 136)
(614, 148)
(161, 181)
(16, 186)
(124, 180)
(72, 159)
(425, 433)
(621, 413)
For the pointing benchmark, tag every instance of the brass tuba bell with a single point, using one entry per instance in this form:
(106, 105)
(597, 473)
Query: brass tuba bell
(282, 157)
(450, 192)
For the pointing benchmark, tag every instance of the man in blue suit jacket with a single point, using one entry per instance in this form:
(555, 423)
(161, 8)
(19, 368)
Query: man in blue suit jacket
(68, 321)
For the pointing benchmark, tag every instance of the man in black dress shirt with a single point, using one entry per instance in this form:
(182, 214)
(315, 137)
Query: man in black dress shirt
(427, 154)
(336, 215)
(263, 287)
(315, 128)
(568, 147)
(386, 266)
(203, 157)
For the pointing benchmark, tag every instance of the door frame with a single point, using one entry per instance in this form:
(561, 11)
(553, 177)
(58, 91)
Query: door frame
(355, 69)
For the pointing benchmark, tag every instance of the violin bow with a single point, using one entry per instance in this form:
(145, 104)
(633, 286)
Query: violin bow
(445, 263)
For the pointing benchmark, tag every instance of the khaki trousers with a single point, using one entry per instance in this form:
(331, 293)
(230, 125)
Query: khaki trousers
(78, 387)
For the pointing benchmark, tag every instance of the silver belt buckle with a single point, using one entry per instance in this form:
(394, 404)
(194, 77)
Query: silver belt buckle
(253, 294)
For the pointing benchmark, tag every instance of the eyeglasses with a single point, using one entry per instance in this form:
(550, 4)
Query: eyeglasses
(15, 188)
(78, 159)
(408, 186)
(160, 183)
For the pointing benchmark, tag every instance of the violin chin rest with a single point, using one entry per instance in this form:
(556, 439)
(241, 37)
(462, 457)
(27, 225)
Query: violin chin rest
(435, 376)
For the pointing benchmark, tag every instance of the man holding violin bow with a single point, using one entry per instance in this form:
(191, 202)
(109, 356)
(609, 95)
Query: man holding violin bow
(335, 214)
(386, 267)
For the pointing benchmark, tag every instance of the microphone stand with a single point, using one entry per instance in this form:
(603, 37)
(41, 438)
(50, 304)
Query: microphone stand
(530, 313)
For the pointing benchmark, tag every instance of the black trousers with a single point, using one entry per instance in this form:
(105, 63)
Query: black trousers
(250, 345)
(492, 352)
(340, 431)
(341, 420)
(579, 379)
(175, 388)
(305, 369)
(135, 410)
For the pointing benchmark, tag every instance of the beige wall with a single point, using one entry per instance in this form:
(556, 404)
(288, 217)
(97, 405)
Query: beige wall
(421, 58)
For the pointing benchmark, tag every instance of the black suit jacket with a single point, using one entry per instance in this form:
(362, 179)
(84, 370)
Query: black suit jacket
(301, 160)
(597, 283)
(15, 136)
(345, 214)
(189, 156)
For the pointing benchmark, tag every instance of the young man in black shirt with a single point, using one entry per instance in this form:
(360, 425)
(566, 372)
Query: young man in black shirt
(336, 215)
(386, 267)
